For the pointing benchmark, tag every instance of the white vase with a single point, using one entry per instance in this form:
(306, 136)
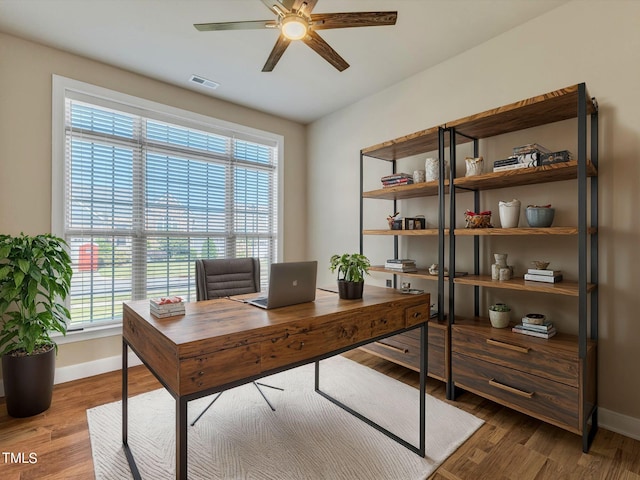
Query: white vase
(501, 262)
(509, 213)
(474, 166)
(432, 169)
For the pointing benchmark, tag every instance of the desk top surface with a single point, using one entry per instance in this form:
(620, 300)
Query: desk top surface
(229, 317)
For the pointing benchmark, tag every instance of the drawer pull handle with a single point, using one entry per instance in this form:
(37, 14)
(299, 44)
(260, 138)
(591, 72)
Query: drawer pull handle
(515, 348)
(417, 314)
(392, 347)
(507, 388)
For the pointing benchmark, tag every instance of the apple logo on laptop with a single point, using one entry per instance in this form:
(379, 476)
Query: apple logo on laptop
(295, 283)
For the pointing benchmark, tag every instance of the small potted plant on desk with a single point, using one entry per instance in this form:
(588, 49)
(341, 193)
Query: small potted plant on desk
(353, 268)
(35, 275)
(499, 315)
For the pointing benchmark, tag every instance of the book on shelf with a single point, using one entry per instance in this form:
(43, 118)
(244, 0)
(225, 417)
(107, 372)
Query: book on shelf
(515, 166)
(404, 268)
(397, 183)
(523, 331)
(397, 176)
(530, 147)
(556, 157)
(401, 260)
(546, 272)
(545, 327)
(506, 161)
(543, 278)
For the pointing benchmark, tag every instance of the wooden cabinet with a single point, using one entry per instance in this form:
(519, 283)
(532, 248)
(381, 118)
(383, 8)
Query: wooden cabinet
(554, 380)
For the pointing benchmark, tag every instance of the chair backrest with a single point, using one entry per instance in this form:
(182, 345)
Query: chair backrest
(222, 277)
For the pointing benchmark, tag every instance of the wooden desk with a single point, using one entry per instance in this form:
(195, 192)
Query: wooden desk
(220, 344)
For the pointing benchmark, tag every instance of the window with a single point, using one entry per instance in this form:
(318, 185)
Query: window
(145, 193)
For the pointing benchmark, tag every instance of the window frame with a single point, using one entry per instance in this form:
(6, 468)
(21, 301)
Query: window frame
(62, 87)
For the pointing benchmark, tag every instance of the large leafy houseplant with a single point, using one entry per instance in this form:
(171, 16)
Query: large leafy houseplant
(35, 277)
(353, 267)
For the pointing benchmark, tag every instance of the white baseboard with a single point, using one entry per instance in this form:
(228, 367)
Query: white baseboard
(619, 423)
(89, 369)
(607, 419)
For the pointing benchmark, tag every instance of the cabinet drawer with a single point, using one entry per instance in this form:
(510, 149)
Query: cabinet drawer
(552, 359)
(545, 399)
(404, 349)
(317, 340)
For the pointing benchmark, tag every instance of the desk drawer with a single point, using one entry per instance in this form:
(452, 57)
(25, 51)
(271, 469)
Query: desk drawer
(314, 341)
(219, 368)
(545, 399)
(417, 314)
(544, 358)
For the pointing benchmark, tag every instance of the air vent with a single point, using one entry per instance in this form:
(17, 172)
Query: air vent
(204, 82)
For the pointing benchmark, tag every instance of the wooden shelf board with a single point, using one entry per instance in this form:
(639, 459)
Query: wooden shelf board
(542, 109)
(524, 176)
(424, 232)
(422, 273)
(417, 190)
(406, 146)
(472, 232)
(565, 287)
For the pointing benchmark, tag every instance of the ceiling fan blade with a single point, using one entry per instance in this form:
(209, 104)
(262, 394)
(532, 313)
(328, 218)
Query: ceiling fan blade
(278, 49)
(251, 25)
(322, 48)
(322, 21)
(284, 5)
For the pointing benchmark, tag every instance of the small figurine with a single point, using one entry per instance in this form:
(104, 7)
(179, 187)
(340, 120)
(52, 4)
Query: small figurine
(391, 219)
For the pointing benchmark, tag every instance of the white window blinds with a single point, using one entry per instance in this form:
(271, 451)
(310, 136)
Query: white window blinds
(145, 196)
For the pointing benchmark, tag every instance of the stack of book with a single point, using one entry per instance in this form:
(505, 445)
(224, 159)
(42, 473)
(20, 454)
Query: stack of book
(535, 325)
(540, 275)
(404, 265)
(524, 156)
(164, 307)
(396, 179)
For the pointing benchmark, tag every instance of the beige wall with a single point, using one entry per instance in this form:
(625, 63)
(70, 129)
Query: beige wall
(583, 41)
(25, 148)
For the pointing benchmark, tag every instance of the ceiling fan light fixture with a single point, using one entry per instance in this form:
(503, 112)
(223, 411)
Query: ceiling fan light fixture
(294, 27)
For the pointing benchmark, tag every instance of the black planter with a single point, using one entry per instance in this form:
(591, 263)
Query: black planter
(28, 382)
(350, 290)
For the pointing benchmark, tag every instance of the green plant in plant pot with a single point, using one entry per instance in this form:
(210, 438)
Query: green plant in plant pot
(353, 267)
(35, 276)
(499, 315)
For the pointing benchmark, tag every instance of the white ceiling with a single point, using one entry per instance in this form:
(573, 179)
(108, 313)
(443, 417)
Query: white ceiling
(156, 38)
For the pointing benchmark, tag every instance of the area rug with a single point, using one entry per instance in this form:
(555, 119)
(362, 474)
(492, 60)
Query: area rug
(307, 437)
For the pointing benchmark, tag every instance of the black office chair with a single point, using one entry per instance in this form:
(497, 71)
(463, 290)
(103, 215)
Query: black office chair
(224, 277)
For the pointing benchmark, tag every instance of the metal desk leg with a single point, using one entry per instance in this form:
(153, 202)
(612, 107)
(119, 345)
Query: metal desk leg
(181, 438)
(420, 450)
(125, 412)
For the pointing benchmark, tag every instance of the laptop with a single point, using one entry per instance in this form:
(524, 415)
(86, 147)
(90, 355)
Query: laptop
(290, 283)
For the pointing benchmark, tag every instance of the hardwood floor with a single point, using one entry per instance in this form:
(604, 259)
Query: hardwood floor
(508, 446)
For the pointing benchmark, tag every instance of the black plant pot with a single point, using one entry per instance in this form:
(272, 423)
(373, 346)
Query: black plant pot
(350, 290)
(28, 382)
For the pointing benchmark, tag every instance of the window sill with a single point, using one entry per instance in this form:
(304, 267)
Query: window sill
(89, 333)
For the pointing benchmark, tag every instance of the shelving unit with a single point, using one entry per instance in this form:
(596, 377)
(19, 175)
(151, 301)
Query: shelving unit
(404, 349)
(554, 380)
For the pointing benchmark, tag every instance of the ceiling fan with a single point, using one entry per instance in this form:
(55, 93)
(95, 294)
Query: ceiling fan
(296, 22)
